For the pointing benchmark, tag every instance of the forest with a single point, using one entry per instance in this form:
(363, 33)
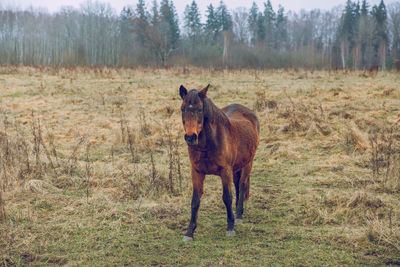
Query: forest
(353, 36)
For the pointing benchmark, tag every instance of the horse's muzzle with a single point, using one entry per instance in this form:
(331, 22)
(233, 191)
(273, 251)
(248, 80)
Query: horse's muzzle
(191, 140)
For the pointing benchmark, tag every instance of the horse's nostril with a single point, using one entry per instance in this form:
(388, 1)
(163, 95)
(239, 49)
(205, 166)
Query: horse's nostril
(190, 138)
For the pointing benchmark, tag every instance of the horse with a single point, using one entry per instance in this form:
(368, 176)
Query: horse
(373, 70)
(221, 142)
(397, 64)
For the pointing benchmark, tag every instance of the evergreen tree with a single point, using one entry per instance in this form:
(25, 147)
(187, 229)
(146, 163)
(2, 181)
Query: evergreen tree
(281, 28)
(260, 27)
(364, 8)
(162, 32)
(212, 26)
(252, 21)
(348, 20)
(225, 23)
(357, 10)
(192, 21)
(141, 10)
(380, 15)
(380, 41)
(224, 17)
(155, 16)
(357, 55)
(365, 35)
(169, 23)
(348, 32)
(141, 22)
(126, 27)
(126, 13)
(126, 17)
(269, 20)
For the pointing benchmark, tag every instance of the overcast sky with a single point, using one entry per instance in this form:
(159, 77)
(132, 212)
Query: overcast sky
(295, 5)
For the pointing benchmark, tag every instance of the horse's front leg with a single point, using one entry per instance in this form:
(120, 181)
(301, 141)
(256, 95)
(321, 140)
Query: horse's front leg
(227, 177)
(197, 181)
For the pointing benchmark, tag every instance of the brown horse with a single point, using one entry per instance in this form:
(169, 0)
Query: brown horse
(373, 69)
(397, 64)
(221, 142)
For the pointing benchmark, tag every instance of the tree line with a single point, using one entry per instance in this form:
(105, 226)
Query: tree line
(356, 36)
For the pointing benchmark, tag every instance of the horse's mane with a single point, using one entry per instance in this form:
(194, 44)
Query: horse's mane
(212, 114)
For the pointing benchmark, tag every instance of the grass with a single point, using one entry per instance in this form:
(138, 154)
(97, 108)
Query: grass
(315, 199)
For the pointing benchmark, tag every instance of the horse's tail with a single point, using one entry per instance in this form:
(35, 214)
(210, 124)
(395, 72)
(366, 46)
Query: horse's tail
(258, 125)
(246, 193)
(245, 188)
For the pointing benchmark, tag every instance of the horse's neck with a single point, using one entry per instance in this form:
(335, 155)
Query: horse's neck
(215, 116)
(215, 121)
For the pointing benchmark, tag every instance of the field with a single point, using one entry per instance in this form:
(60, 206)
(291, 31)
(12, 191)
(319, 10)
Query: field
(94, 169)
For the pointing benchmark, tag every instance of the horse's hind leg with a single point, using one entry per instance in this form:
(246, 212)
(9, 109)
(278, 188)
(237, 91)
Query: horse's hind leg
(236, 179)
(227, 177)
(244, 187)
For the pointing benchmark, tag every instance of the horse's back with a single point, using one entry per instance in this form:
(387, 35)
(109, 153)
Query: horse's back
(245, 130)
(240, 112)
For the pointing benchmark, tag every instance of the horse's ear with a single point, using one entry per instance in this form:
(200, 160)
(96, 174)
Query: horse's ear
(182, 91)
(203, 92)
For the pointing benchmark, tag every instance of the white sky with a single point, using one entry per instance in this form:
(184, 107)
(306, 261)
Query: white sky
(295, 5)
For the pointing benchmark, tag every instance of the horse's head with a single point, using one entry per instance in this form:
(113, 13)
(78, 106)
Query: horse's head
(192, 113)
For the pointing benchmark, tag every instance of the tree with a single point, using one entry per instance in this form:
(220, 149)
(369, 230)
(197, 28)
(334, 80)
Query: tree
(364, 37)
(261, 31)
(327, 29)
(141, 12)
(212, 26)
(281, 28)
(224, 17)
(240, 25)
(155, 16)
(379, 14)
(169, 32)
(192, 22)
(126, 28)
(356, 49)
(348, 31)
(252, 22)
(158, 32)
(394, 14)
(225, 24)
(169, 22)
(364, 8)
(126, 17)
(141, 22)
(269, 20)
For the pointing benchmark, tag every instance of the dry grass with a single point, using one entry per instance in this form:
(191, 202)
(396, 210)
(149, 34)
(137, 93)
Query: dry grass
(89, 153)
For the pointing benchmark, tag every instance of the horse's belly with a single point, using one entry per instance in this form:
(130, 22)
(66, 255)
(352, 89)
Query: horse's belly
(207, 166)
(240, 165)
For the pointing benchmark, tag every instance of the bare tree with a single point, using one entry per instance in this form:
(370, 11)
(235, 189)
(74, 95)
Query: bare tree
(394, 25)
(240, 25)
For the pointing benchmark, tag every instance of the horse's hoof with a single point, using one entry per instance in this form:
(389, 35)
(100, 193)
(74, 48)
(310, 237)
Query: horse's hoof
(238, 221)
(187, 238)
(230, 233)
